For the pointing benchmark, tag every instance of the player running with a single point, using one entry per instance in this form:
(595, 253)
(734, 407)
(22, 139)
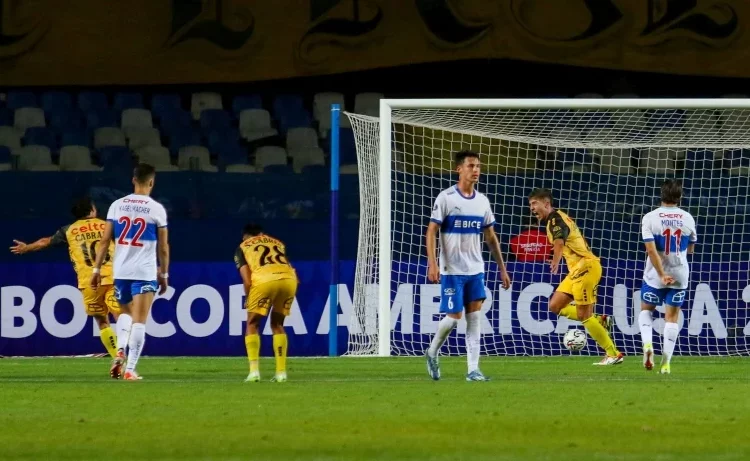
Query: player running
(139, 226)
(270, 282)
(670, 235)
(584, 272)
(461, 214)
(82, 238)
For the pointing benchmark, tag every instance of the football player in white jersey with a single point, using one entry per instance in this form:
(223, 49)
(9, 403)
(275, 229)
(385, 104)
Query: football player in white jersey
(669, 234)
(461, 214)
(138, 224)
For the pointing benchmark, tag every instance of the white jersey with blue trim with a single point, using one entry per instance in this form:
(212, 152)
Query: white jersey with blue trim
(671, 229)
(135, 219)
(461, 221)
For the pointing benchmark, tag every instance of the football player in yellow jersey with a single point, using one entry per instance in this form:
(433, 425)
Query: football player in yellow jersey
(81, 238)
(584, 273)
(270, 283)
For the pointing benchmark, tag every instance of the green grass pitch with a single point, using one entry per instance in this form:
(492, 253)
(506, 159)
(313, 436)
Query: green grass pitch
(371, 408)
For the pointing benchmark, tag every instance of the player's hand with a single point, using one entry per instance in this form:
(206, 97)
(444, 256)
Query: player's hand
(554, 267)
(506, 279)
(163, 285)
(96, 280)
(667, 279)
(19, 248)
(433, 273)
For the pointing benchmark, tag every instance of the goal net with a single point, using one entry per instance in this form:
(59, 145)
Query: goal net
(604, 161)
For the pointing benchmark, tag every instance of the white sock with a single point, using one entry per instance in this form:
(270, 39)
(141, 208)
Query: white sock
(122, 328)
(473, 335)
(446, 325)
(670, 340)
(137, 338)
(646, 321)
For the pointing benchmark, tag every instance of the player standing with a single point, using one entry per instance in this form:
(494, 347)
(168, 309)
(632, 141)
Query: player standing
(584, 273)
(82, 238)
(270, 282)
(139, 226)
(669, 234)
(461, 214)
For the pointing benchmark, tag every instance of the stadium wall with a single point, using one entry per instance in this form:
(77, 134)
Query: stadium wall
(202, 313)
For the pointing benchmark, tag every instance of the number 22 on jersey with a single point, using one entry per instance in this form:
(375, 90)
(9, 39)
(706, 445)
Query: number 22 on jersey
(140, 227)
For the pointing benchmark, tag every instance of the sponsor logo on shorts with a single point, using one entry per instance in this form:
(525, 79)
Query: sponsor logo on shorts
(118, 295)
(652, 298)
(679, 296)
(150, 288)
(449, 292)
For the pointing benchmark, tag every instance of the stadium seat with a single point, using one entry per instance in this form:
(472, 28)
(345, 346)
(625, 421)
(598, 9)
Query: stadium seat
(177, 121)
(35, 158)
(301, 138)
(157, 156)
(125, 101)
(162, 105)
(6, 117)
(285, 103)
(76, 138)
(72, 119)
(19, 99)
(322, 111)
(304, 157)
(142, 137)
(218, 140)
(294, 119)
(56, 101)
(195, 158)
(40, 136)
(136, 118)
(657, 161)
(215, 120)
(116, 159)
(92, 101)
(256, 124)
(183, 138)
(233, 159)
(240, 103)
(102, 118)
(109, 137)
(202, 101)
(347, 147)
(270, 155)
(26, 117)
(367, 104)
(10, 137)
(76, 158)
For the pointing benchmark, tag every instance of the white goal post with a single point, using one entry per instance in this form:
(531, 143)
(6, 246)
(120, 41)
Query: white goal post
(604, 160)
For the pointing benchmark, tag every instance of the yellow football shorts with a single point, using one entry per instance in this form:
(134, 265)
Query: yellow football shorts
(100, 301)
(583, 281)
(276, 294)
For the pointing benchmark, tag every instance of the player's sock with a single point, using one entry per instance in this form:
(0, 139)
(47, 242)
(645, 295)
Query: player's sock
(600, 335)
(446, 325)
(646, 321)
(252, 344)
(473, 335)
(124, 324)
(569, 311)
(671, 330)
(279, 350)
(135, 344)
(109, 340)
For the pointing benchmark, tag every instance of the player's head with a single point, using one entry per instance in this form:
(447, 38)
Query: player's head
(83, 208)
(671, 192)
(143, 178)
(468, 166)
(540, 203)
(251, 230)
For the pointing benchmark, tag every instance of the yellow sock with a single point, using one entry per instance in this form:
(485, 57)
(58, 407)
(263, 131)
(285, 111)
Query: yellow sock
(252, 344)
(279, 350)
(569, 311)
(109, 340)
(600, 335)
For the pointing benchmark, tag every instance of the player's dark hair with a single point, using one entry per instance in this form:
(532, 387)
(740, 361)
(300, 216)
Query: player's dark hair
(671, 191)
(463, 155)
(82, 207)
(143, 172)
(252, 230)
(541, 194)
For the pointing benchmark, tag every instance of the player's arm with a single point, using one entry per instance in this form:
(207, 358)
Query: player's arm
(102, 248)
(490, 239)
(162, 243)
(244, 268)
(58, 238)
(560, 232)
(436, 220)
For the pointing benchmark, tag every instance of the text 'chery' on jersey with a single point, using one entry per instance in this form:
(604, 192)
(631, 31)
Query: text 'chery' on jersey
(82, 238)
(136, 219)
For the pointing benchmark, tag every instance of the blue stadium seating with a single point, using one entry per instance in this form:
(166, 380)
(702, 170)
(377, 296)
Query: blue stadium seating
(215, 119)
(70, 120)
(56, 101)
(102, 118)
(217, 140)
(40, 136)
(19, 99)
(6, 117)
(182, 139)
(128, 101)
(230, 154)
(76, 138)
(117, 160)
(241, 103)
(163, 105)
(178, 121)
(92, 100)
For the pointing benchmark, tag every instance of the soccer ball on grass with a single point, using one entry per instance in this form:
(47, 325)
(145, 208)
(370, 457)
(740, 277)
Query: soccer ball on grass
(575, 340)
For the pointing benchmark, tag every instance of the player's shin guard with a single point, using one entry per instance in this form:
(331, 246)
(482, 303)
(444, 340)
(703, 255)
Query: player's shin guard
(671, 330)
(124, 324)
(135, 344)
(252, 345)
(109, 340)
(473, 336)
(600, 335)
(446, 325)
(279, 351)
(569, 311)
(646, 322)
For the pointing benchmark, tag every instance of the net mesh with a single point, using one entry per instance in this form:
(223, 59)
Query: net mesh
(604, 168)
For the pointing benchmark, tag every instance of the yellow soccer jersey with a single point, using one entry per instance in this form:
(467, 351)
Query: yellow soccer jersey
(266, 257)
(81, 238)
(575, 248)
